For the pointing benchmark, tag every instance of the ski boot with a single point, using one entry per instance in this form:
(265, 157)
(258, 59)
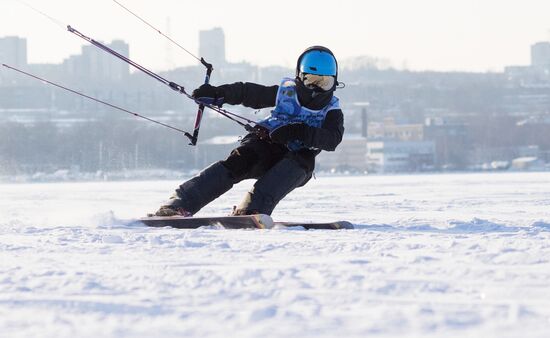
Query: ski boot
(197, 192)
(172, 208)
(168, 211)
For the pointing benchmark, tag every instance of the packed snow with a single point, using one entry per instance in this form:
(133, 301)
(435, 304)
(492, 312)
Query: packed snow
(454, 255)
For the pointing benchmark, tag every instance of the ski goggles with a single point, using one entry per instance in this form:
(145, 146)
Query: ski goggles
(325, 82)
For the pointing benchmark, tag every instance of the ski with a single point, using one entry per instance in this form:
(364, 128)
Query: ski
(228, 222)
(237, 222)
(339, 225)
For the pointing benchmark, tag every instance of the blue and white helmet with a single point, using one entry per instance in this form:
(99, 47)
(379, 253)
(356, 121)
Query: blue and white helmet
(318, 66)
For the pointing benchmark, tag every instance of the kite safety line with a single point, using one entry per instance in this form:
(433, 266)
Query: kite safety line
(249, 125)
(49, 17)
(209, 69)
(97, 100)
(158, 31)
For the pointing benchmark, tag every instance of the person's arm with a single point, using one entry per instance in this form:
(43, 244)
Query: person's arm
(328, 137)
(249, 94)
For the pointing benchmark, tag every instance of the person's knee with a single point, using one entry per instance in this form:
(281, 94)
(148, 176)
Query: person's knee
(271, 188)
(299, 166)
(239, 162)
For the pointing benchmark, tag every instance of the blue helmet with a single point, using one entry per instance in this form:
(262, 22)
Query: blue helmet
(317, 60)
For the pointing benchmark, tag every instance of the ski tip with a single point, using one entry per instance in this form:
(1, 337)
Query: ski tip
(264, 221)
(338, 225)
(345, 225)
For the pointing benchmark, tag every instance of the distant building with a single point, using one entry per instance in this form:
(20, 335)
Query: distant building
(118, 70)
(351, 155)
(13, 51)
(451, 142)
(520, 75)
(540, 55)
(480, 155)
(96, 65)
(243, 71)
(398, 148)
(540, 61)
(273, 74)
(390, 130)
(212, 46)
(390, 156)
(212, 49)
(537, 73)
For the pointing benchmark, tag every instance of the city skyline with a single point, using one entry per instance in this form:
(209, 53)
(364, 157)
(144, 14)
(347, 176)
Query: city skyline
(440, 119)
(539, 54)
(427, 35)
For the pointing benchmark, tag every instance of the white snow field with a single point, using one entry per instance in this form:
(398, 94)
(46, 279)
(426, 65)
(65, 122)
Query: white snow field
(450, 255)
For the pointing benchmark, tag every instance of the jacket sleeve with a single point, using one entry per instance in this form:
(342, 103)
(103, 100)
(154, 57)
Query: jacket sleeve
(329, 136)
(250, 95)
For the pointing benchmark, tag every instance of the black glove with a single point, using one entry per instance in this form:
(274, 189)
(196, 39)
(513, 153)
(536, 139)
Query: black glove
(289, 132)
(209, 94)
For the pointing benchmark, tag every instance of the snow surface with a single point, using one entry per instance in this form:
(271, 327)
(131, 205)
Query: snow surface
(463, 255)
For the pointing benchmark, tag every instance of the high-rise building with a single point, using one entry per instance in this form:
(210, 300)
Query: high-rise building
(119, 70)
(96, 65)
(540, 55)
(13, 51)
(212, 46)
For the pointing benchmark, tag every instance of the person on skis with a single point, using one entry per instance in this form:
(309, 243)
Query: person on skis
(281, 154)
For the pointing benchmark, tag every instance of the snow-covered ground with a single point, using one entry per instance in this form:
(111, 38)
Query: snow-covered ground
(464, 255)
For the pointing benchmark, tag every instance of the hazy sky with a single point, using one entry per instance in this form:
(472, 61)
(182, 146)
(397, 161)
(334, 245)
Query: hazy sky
(474, 35)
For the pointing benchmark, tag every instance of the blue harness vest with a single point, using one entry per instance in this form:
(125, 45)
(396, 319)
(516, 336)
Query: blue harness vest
(289, 110)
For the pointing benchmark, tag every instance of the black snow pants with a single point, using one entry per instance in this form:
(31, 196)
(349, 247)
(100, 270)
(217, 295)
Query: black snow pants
(276, 169)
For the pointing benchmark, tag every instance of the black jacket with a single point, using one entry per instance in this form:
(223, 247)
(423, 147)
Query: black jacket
(257, 96)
